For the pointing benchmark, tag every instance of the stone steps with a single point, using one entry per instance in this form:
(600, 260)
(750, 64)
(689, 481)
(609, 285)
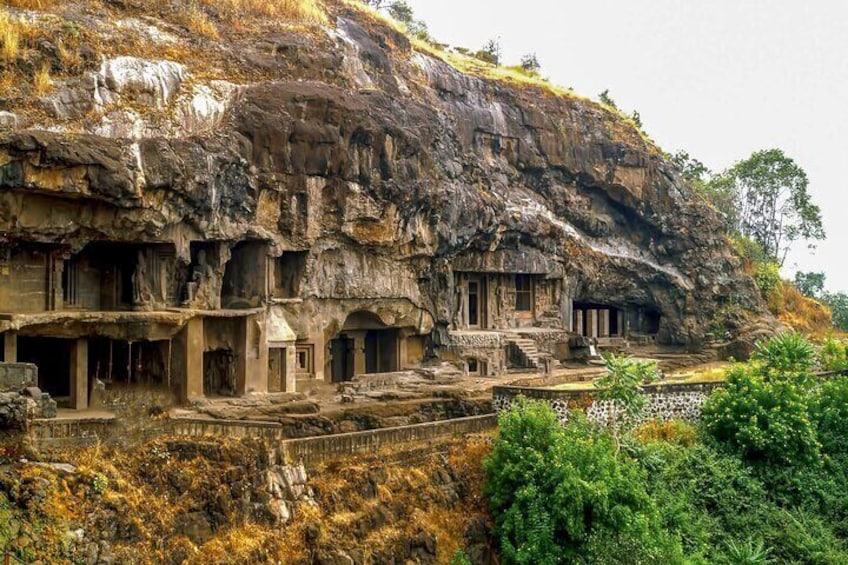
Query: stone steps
(529, 351)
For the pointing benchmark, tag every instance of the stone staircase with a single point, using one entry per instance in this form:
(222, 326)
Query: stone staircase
(523, 351)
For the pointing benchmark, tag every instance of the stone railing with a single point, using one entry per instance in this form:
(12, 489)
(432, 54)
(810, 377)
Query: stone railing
(63, 432)
(321, 448)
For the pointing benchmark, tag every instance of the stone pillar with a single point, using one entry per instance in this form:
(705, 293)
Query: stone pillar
(319, 351)
(255, 355)
(620, 314)
(593, 323)
(578, 322)
(290, 369)
(10, 347)
(79, 374)
(403, 355)
(359, 366)
(604, 324)
(194, 359)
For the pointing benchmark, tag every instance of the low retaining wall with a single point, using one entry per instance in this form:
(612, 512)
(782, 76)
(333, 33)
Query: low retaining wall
(315, 449)
(321, 448)
(665, 401)
(48, 432)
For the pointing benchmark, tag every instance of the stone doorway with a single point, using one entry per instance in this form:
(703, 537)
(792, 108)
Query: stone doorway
(342, 351)
(381, 351)
(219, 373)
(52, 356)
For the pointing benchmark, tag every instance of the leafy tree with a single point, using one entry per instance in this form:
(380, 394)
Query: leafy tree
(766, 200)
(810, 284)
(401, 11)
(621, 385)
(838, 304)
(530, 63)
(491, 52)
(605, 98)
(692, 169)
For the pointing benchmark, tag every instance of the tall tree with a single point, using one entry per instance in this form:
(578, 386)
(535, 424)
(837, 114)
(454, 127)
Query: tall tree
(770, 202)
(810, 284)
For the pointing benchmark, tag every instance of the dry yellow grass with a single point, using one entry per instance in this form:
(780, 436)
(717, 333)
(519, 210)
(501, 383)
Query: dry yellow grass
(31, 4)
(41, 82)
(806, 315)
(10, 35)
(294, 11)
(196, 20)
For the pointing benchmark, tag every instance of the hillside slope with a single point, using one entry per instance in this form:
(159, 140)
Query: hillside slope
(173, 121)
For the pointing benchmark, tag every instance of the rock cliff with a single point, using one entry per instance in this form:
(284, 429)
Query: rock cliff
(388, 164)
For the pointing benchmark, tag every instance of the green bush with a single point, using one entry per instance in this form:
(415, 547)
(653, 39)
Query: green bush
(833, 355)
(766, 419)
(788, 354)
(767, 277)
(747, 553)
(829, 411)
(555, 490)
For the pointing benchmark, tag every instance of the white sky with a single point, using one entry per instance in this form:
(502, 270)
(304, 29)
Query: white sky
(719, 78)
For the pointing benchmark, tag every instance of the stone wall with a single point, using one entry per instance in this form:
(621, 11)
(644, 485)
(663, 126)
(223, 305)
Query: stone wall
(322, 448)
(665, 402)
(488, 347)
(17, 376)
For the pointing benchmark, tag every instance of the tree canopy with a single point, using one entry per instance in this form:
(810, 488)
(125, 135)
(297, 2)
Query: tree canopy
(765, 199)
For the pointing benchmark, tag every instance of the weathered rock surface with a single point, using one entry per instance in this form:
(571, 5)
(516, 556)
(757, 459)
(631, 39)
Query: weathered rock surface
(389, 165)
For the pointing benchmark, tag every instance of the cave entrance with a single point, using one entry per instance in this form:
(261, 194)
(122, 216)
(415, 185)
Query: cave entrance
(120, 363)
(381, 351)
(219, 373)
(342, 358)
(52, 356)
(597, 320)
(365, 345)
(245, 274)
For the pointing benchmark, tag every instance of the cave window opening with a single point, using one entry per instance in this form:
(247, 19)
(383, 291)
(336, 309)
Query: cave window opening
(289, 269)
(244, 276)
(303, 359)
(523, 293)
(70, 283)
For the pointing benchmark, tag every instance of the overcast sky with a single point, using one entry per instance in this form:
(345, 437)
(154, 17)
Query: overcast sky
(719, 78)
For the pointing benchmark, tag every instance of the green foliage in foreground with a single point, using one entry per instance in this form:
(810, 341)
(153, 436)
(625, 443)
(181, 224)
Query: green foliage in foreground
(560, 494)
(766, 482)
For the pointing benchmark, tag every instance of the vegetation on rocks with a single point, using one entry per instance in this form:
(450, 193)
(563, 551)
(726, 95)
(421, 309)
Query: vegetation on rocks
(196, 502)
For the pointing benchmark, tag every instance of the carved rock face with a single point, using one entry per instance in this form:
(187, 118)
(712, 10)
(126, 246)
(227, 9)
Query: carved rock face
(392, 173)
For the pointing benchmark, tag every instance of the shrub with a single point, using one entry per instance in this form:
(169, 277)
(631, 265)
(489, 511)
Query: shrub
(786, 355)
(767, 279)
(704, 495)
(829, 411)
(765, 419)
(748, 553)
(555, 491)
(833, 355)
